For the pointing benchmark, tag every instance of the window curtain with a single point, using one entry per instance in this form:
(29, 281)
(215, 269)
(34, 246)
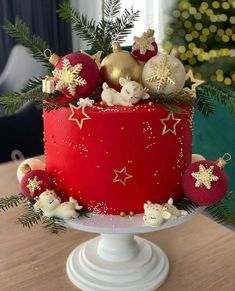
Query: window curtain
(42, 19)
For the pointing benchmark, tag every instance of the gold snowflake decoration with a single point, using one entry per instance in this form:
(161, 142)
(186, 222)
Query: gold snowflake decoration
(204, 177)
(162, 72)
(69, 77)
(33, 185)
(143, 44)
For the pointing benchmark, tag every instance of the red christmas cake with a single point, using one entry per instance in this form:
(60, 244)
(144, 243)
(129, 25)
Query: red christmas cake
(113, 159)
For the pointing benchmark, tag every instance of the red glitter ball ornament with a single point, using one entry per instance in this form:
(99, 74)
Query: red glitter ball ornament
(145, 47)
(75, 75)
(35, 182)
(204, 182)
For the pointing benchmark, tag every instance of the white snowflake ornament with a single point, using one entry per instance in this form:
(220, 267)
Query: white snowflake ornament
(163, 74)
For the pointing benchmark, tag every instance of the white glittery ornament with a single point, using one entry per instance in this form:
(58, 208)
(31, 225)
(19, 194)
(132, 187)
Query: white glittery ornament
(163, 74)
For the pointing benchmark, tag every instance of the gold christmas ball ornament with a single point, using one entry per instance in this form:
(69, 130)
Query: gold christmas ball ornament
(118, 64)
(131, 213)
(163, 74)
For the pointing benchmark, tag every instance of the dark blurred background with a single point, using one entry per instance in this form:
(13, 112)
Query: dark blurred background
(21, 134)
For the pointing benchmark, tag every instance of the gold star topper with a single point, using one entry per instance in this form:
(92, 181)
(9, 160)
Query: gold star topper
(162, 72)
(80, 112)
(145, 42)
(96, 57)
(171, 127)
(69, 77)
(194, 82)
(204, 176)
(122, 176)
(33, 185)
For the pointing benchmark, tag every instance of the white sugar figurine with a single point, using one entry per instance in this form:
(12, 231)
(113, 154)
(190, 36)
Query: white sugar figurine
(51, 206)
(170, 212)
(131, 93)
(153, 214)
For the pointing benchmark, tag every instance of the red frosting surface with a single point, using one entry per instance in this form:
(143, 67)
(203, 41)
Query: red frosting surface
(120, 157)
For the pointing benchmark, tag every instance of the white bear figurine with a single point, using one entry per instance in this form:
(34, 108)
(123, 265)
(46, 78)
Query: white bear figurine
(51, 205)
(170, 212)
(131, 93)
(153, 214)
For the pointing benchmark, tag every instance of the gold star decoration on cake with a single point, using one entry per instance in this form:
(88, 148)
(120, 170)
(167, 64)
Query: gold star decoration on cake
(194, 83)
(170, 124)
(204, 176)
(122, 176)
(78, 115)
(33, 185)
(143, 43)
(69, 77)
(162, 73)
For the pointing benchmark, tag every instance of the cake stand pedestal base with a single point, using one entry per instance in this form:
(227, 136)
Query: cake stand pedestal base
(117, 262)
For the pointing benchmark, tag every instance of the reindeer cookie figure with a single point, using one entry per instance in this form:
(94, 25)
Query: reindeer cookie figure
(131, 93)
(170, 212)
(153, 214)
(51, 206)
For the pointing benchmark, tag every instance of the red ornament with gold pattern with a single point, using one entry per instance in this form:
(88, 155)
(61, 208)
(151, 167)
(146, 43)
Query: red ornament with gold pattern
(145, 47)
(205, 182)
(75, 75)
(34, 182)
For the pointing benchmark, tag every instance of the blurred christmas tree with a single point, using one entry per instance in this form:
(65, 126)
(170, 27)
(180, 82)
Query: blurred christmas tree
(204, 33)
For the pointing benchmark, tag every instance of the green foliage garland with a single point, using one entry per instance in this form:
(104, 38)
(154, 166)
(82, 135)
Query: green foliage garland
(101, 35)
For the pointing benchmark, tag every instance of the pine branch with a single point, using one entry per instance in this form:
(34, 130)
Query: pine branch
(21, 32)
(100, 36)
(53, 225)
(221, 213)
(9, 202)
(185, 204)
(174, 101)
(123, 25)
(86, 29)
(30, 217)
(15, 100)
(209, 93)
(204, 104)
(111, 9)
(83, 213)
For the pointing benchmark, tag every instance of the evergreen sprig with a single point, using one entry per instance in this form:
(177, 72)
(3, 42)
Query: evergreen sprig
(31, 92)
(29, 218)
(221, 213)
(176, 101)
(37, 46)
(208, 94)
(111, 9)
(10, 201)
(53, 225)
(186, 204)
(99, 36)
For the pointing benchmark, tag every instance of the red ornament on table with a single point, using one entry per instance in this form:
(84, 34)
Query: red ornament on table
(205, 182)
(145, 47)
(34, 182)
(75, 75)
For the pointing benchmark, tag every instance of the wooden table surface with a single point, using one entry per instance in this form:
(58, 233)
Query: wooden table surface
(201, 252)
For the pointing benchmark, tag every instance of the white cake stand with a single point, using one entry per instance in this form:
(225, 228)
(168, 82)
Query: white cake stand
(116, 259)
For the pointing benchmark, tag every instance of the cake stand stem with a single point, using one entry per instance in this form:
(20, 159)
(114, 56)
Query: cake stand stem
(121, 262)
